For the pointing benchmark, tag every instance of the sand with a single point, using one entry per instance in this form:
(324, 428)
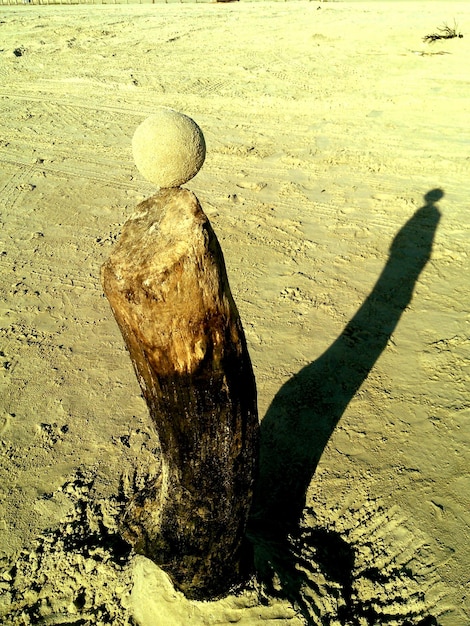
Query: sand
(329, 128)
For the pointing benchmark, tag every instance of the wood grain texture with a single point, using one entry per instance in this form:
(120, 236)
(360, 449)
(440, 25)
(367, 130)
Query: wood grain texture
(168, 289)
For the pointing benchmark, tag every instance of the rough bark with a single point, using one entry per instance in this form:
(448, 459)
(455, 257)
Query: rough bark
(167, 286)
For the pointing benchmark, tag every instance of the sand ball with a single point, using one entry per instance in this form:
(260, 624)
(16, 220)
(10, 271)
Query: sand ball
(168, 148)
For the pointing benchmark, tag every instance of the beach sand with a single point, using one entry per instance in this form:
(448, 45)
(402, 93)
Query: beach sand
(337, 181)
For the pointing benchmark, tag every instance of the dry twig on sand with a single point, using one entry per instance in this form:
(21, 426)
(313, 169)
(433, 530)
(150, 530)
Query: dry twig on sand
(446, 32)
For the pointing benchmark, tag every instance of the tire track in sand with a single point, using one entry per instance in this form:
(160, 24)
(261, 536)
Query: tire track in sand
(14, 188)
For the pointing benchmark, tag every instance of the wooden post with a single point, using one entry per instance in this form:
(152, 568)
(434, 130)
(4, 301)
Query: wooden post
(167, 286)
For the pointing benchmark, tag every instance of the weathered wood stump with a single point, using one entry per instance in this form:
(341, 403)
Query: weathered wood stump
(168, 289)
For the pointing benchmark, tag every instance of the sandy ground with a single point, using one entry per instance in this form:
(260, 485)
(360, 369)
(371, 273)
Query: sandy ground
(337, 180)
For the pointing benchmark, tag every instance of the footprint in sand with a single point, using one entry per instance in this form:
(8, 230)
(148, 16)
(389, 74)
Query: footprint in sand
(5, 422)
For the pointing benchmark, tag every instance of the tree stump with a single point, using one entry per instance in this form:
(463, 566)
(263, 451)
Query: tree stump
(168, 290)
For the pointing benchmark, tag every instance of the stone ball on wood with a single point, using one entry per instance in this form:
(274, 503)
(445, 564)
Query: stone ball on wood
(168, 148)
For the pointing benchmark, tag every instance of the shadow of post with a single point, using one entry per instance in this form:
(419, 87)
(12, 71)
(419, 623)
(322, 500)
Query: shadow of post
(307, 408)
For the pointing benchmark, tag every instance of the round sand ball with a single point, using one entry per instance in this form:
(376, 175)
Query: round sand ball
(168, 148)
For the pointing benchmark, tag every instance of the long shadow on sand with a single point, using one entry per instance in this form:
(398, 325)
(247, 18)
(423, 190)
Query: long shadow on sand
(306, 410)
